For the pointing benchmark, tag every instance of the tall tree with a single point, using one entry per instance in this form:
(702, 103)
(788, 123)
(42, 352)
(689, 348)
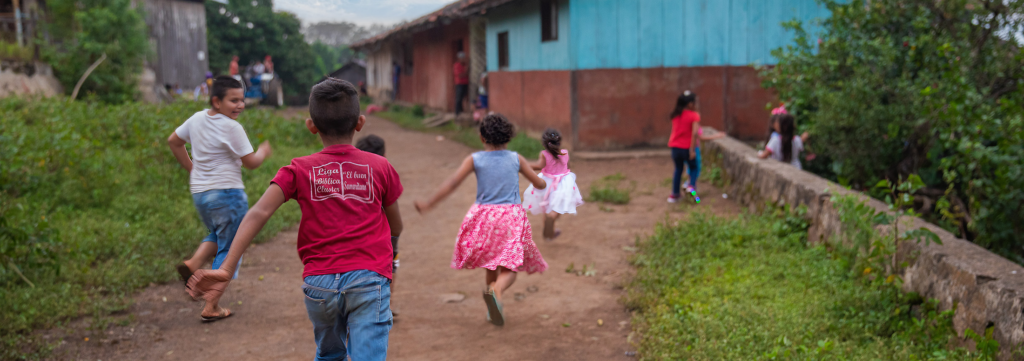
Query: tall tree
(252, 30)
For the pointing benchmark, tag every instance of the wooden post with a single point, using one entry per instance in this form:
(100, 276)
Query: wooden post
(17, 22)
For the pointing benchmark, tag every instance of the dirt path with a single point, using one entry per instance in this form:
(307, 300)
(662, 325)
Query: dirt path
(550, 316)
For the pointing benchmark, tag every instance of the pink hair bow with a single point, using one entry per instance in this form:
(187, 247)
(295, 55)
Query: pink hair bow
(780, 110)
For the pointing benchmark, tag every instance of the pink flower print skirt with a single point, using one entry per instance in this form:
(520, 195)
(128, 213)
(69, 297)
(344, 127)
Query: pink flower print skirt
(494, 235)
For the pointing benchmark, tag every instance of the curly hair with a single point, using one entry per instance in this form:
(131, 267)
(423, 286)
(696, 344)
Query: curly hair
(496, 129)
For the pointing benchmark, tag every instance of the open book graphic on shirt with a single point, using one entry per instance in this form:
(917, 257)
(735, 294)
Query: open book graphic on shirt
(345, 180)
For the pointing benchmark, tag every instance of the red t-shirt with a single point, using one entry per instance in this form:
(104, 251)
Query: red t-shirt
(461, 73)
(682, 129)
(341, 192)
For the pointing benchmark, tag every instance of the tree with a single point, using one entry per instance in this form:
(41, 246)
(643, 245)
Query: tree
(271, 33)
(900, 87)
(330, 58)
(87, 29)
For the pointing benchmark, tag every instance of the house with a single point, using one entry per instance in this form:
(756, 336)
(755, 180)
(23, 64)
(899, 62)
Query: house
(605, 71)
(353, 72)
(177, 30)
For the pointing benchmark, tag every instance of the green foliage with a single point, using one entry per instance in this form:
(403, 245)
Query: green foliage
(86, 30)
(93, 205)
(330, 58)
(608, 190)
(749, 288)
(417, 110)
(13, 51)
(893, 88)
(273, 33)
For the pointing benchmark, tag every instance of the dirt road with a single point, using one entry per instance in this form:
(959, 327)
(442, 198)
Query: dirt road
(551, 316)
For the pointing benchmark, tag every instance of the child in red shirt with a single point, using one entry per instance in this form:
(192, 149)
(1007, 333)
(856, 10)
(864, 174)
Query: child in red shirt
(685, 122)
(349, 216)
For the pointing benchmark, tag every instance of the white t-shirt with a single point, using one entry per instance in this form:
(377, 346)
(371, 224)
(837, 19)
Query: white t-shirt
(775, 146)
(218, 145)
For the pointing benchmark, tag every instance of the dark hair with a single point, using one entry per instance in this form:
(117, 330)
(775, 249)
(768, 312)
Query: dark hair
(771, 126)
(371, 143)
(334, 107)
(682, 102)
(786, 130)
(221, 85)
(552, 140)
(496, 129)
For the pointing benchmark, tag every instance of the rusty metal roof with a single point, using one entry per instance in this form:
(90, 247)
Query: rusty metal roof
(458, 9)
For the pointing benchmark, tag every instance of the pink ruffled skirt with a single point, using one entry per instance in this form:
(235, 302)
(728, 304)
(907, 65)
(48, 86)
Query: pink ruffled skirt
(494, 235)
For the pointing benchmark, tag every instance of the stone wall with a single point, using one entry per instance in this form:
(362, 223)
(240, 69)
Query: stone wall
(986, 289)
(19, 78)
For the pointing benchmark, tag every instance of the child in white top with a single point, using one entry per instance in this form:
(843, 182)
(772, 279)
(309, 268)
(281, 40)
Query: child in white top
(786, 147)
(220, 148)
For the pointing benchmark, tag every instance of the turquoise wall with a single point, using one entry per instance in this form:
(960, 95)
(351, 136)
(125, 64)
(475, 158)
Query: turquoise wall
(602, 34)
(521, 19)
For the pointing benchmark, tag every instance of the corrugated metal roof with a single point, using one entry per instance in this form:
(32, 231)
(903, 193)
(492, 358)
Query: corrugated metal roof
(455, 10)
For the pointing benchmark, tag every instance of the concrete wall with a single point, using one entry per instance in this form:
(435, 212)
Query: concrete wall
(986, 290)
(17, 78)
(533, 100)
(623, 108)
(432, 82)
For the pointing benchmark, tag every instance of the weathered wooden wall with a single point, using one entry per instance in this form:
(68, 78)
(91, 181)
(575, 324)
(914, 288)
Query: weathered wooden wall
(177, 32)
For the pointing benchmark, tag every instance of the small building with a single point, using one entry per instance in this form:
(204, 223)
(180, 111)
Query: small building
(607, 72)
(177, 31)
(353, 72)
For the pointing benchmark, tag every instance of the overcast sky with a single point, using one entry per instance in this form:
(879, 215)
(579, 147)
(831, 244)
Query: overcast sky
(362, 12)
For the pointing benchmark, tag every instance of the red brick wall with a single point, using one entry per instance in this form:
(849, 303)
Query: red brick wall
(622, 108)
(432, 82)
(533, 100)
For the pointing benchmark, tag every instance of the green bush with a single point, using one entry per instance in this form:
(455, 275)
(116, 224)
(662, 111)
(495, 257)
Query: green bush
(893, 88)
(87, 29)
(417, 110)
(749, 288)
(93, 205)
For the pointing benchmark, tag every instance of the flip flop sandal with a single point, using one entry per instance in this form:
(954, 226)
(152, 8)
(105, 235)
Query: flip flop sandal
(184, 272)
(224, 313)
(494, 312)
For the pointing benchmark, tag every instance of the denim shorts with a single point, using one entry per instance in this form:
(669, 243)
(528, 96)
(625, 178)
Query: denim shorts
(222, 211)
(351, 314)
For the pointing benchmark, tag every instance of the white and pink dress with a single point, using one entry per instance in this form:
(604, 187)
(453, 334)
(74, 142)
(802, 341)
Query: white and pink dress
(562, 195)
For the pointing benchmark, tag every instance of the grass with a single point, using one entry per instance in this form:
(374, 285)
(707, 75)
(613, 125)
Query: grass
(607, 190)
(751, 289)
(412, 118)
(93, 206)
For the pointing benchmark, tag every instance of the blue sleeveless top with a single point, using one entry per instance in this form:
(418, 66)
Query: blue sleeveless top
(497, 177)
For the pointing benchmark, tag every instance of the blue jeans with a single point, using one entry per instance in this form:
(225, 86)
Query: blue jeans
(222, 211)
(681, 158)
(351, 315)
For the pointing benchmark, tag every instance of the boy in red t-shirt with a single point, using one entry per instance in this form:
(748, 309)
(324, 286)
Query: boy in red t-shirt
(349, 216)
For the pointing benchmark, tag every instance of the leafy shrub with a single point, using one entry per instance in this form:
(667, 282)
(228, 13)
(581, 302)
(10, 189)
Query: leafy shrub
(893, 88)
(608, 190)
(87, 29)
(417, 110)
(750, 288)
(93, 205)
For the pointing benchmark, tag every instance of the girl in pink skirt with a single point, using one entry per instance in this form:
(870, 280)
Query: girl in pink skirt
(495, 234)
(562, 195)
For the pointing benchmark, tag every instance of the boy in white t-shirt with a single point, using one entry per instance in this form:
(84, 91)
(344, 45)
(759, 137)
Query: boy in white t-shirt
(219, 149)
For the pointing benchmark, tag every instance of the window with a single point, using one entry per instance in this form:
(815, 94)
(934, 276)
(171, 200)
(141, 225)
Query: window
(407, 58)
(548, 20)
(503, 50)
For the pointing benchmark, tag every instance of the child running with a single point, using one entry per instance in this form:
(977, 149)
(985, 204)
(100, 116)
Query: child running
(374, 144)
(685, 123)
(561, 196)
(495, 233)
(786, 147)
(348, 200)
(219, 149)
